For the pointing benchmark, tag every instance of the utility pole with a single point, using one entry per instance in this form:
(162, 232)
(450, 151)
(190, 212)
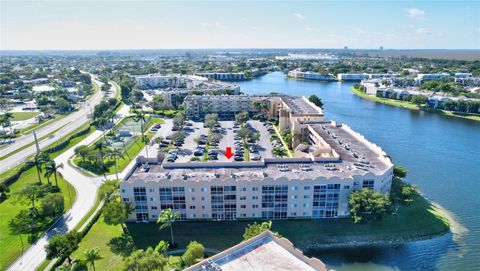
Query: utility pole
(36, 142)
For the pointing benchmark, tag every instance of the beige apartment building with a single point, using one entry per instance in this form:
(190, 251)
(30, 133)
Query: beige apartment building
(314, 184)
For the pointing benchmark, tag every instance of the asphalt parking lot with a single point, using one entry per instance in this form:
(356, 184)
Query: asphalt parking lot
(186, 152)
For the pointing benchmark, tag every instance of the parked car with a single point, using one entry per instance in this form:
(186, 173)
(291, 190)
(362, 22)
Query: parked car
(238, 158)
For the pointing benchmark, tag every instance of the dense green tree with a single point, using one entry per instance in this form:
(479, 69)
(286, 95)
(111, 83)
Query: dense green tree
(193, 254)
(211, 120)
(366, 205)
(162, 247)
(400, 171)
(52, 205)
(140, 116)
(419, 99)
(38, 161)
(242, 117)
(51, 168)
(115, 213)
(179, 119)
(316, 100)
(141, 260)
(32, 192)
(61, 246)
(255, 229)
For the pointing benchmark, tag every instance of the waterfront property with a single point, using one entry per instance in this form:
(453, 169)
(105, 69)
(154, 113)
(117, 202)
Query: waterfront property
(297, 73)
(224, 76)
(363, 76)
(265, 252)
(332, 161)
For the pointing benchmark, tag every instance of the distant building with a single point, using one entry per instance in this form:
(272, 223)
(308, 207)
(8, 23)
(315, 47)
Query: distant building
(310, 75)
(224, 76)
(423, 77)
(316, 57)
(265, 252)
(363, 76)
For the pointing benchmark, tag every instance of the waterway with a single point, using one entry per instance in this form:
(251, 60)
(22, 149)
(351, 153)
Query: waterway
(442, 155)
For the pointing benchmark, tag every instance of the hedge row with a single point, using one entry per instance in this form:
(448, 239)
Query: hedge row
(26, 166)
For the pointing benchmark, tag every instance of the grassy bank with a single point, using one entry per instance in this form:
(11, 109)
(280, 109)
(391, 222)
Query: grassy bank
(419, 220)
(412, 106)
(392, 102)
(18, 116)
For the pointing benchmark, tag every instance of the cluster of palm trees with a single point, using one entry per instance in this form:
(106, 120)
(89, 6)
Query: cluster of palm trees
(100, 155)
(43, 162)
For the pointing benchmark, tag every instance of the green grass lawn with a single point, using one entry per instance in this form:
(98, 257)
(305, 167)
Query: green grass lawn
(10, 245)
(387, 101)
(415, 221)
(99, 236)
(18, 116)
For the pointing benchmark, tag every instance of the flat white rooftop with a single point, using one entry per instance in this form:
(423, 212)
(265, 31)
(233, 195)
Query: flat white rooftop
(264, 252)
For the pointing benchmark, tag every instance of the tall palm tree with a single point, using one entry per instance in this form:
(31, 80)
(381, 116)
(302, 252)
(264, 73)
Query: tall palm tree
(7, 117)
(38, 160)
(115, 154)
(140, 116)
(166, 219)
(91, 255)
(52, 168)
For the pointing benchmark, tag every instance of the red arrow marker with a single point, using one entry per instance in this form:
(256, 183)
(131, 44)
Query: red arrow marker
(228, 152)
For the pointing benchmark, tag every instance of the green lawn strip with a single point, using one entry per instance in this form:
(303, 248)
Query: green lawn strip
(30, 144)
(246, 154)
(387, 101)
(19, 116)
(207, 146)
(283, 141)
(415, 221)
(10, 244)
(99, 236)
(412, 106)
(118, 91)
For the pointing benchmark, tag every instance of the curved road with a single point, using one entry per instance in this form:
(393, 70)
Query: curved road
(65, 125)
(86, 188)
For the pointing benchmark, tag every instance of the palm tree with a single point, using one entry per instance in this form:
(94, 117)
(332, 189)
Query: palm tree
(140, 116)
(166, 219)
(115, 154)
(52, 168)
(279, 152)
(38, 160)
(91, 255)
(7, 117)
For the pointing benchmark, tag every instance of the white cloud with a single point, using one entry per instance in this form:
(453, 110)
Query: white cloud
(423, 31)
(205, 24)
(300, 16)
(215, 24)
(359, 31)
(416, 13)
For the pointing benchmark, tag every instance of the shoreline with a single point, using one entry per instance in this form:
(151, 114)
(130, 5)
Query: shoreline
(414, 107)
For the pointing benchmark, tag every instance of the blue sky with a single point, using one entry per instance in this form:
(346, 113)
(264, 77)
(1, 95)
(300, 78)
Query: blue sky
(234, 24)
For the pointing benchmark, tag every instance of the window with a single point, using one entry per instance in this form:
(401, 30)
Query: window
(203, 198)
(203, 207)
(294, 188)
(306, 196)
(254, 188)
(203, 189)
(243, 198)
(192, 207)
(123, 190)
(243, 206)
(126, 199)
(368, 184)
(193, 198)
(293, 214)
(254, 206)
(191, 190)
(204, 215)
(346, 187)
(151, 190)
(305, 205)
(153, 207)
(306, 188)
(274, 201)
(294, 196)
(255, 197)
(244, 189)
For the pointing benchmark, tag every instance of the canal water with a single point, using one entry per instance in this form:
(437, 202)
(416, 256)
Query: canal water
(442, 155)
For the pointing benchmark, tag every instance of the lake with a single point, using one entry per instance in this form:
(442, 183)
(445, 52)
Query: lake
(442, 155)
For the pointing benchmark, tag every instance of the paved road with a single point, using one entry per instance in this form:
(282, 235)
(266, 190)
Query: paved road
(86, 188)
(70, 123)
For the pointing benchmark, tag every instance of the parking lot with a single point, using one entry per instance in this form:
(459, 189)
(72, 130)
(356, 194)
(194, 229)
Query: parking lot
(195, 131)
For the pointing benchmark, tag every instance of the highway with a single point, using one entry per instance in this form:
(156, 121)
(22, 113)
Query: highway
(64, 126)
(86, 188)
